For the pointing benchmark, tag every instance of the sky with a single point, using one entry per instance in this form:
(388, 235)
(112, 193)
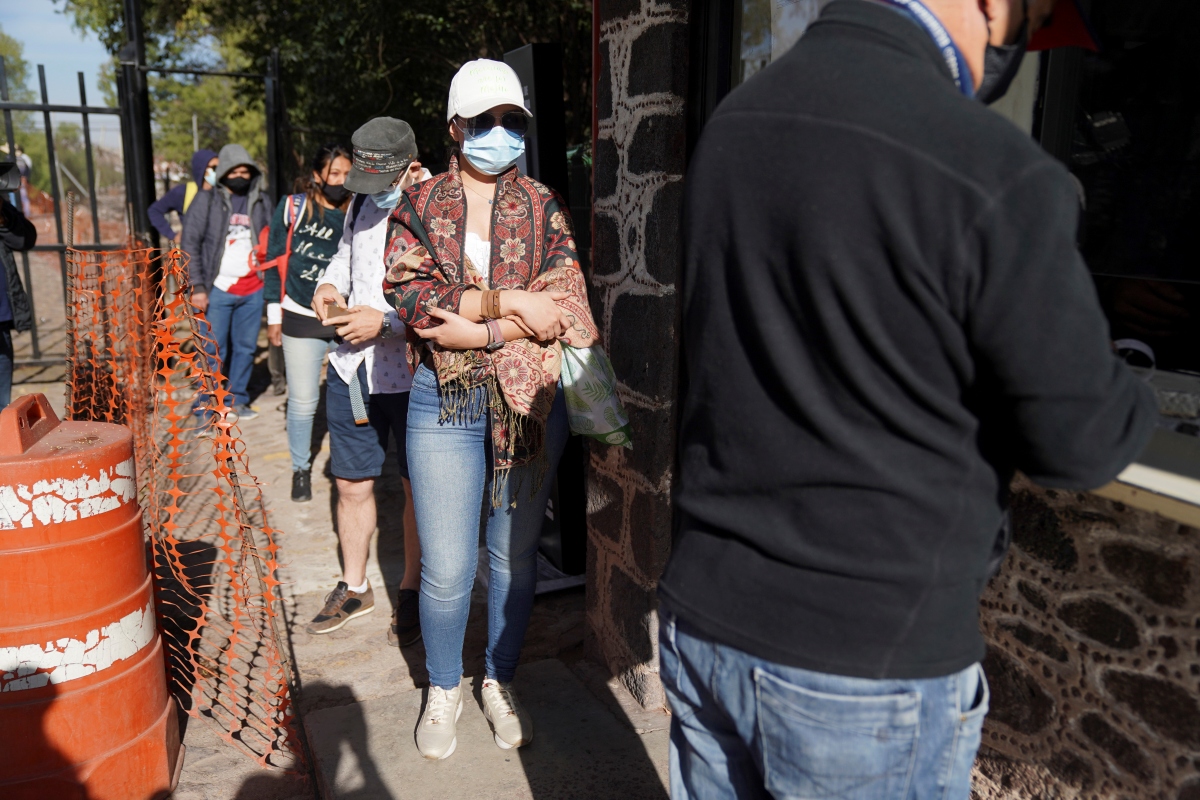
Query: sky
(50, 40)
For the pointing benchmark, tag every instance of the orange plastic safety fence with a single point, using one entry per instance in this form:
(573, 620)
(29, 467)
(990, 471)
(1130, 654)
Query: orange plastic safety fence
(138, 357)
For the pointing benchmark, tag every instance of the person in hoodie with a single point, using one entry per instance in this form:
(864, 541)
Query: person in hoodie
(219, 233)
(180, 197)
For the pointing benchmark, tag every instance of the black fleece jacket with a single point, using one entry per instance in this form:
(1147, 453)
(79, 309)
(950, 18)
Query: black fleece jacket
(885, 315)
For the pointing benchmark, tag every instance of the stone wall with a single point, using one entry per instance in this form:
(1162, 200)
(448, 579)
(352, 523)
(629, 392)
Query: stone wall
(1093, 628)
(638, 173)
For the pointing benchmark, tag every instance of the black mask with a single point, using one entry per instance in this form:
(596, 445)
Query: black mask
(237, 185)
(1001, 64)
(335, 193)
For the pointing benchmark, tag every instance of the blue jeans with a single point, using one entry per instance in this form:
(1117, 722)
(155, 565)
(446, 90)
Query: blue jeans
(742, 727)
(450, 467)
(6, 359)
(233, 321)
(302, 360)
(6, 367)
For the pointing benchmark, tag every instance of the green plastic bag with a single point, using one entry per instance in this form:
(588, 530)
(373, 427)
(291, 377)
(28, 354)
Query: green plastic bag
(590, 389)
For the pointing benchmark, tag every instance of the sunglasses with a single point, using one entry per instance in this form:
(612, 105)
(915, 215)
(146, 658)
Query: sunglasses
(512, 121)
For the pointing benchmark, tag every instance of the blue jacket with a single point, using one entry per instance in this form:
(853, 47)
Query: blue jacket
(173, 200)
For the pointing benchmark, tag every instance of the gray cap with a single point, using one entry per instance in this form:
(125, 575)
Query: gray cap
(382, 149)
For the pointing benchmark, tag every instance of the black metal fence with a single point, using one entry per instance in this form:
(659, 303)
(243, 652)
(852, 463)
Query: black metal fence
(7, 107)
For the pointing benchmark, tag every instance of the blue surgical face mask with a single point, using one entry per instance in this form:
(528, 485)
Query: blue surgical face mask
(494, 151)
(210, 177)
(389, 198)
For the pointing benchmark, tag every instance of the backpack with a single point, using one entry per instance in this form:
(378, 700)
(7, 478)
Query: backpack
(189, 194)
(295, 208)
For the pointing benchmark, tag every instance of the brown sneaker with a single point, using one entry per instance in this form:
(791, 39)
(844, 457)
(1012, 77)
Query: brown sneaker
(341, 606)
(405, 629)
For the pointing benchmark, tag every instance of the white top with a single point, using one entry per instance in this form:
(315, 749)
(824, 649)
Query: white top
(235, 261)
(480, 253)
(356, 270)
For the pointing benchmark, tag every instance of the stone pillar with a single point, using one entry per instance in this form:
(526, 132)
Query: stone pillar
(638, 171)
(1093, 630)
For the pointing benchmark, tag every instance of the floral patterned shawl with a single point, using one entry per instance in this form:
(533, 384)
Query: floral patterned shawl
(533, 249)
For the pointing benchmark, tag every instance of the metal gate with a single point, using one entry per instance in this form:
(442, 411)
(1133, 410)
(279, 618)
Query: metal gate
(38, 356)
(137, 157)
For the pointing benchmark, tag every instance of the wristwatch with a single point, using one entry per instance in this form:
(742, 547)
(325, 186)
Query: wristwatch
(386, 331)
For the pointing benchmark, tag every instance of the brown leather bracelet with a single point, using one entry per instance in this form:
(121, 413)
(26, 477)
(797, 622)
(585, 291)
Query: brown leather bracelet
(489, 304)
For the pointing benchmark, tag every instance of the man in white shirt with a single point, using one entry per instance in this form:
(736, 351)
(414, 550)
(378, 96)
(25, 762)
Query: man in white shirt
(368, 381)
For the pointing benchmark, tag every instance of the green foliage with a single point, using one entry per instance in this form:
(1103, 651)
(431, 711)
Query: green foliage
(347, 61)
(16, 68)
(226, 109)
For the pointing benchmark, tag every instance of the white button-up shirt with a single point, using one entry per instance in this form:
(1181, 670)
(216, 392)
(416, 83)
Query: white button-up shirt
(356, 271)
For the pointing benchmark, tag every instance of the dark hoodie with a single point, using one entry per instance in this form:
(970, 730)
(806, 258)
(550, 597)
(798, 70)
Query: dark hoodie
(174, 199)
(207, 221)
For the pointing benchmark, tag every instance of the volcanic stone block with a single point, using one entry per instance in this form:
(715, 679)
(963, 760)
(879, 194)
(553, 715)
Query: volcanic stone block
(662, 61)
(1042, 642)
(1032, 594)
(604, 95)
(1039, 532)
(659, 144)
(1101, 621)
(1161, 579)
(643, 346)
(1071, 769)
(605, 506)
(1017, 699)
(663, 246)
(1127, 755)
(631, 606)
(1167, 708)
(615, 9)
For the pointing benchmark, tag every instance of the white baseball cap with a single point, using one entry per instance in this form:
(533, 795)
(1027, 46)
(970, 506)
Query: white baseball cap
(482, 84)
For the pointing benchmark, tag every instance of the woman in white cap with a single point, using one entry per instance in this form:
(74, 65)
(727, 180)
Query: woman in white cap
(482, 266)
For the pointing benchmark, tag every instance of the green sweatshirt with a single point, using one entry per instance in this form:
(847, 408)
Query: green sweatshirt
(314, 242)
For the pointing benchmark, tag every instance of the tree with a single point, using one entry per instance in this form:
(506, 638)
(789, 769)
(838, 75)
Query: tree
(346, 62)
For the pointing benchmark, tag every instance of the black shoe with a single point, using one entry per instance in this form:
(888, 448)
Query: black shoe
(302, 485)
(405, 629)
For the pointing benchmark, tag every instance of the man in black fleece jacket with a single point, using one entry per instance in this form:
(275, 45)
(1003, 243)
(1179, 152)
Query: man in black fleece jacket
(885, 315)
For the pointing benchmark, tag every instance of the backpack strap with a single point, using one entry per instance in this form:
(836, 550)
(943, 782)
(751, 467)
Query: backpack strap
(355, 207)
(189, 194)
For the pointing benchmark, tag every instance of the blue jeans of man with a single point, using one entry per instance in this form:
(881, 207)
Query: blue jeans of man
(6, 367)
(743, 727)
(302, 360)
(449, 464)
(233, 324)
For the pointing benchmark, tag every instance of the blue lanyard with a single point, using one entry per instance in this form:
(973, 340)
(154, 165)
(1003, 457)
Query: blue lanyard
(933, 26)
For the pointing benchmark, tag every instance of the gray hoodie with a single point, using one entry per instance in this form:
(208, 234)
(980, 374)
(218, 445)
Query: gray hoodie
(207, 219)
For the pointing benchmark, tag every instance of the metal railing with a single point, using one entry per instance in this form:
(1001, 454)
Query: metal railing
(7, 107)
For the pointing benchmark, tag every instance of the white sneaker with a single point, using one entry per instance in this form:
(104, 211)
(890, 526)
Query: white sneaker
(510, 723)
(436, 738)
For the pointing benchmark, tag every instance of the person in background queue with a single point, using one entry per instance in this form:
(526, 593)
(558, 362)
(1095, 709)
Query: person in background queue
(367, 386)
(219, 232)
(487, 422)
(17, 234)
(306, 229)
(884, 316)
(179, 199)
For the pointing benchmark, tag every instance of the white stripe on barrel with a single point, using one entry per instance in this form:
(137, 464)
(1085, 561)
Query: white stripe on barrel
(33, 665)
(52, 502)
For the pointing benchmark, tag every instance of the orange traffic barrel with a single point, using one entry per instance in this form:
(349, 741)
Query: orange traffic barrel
(84, 707)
